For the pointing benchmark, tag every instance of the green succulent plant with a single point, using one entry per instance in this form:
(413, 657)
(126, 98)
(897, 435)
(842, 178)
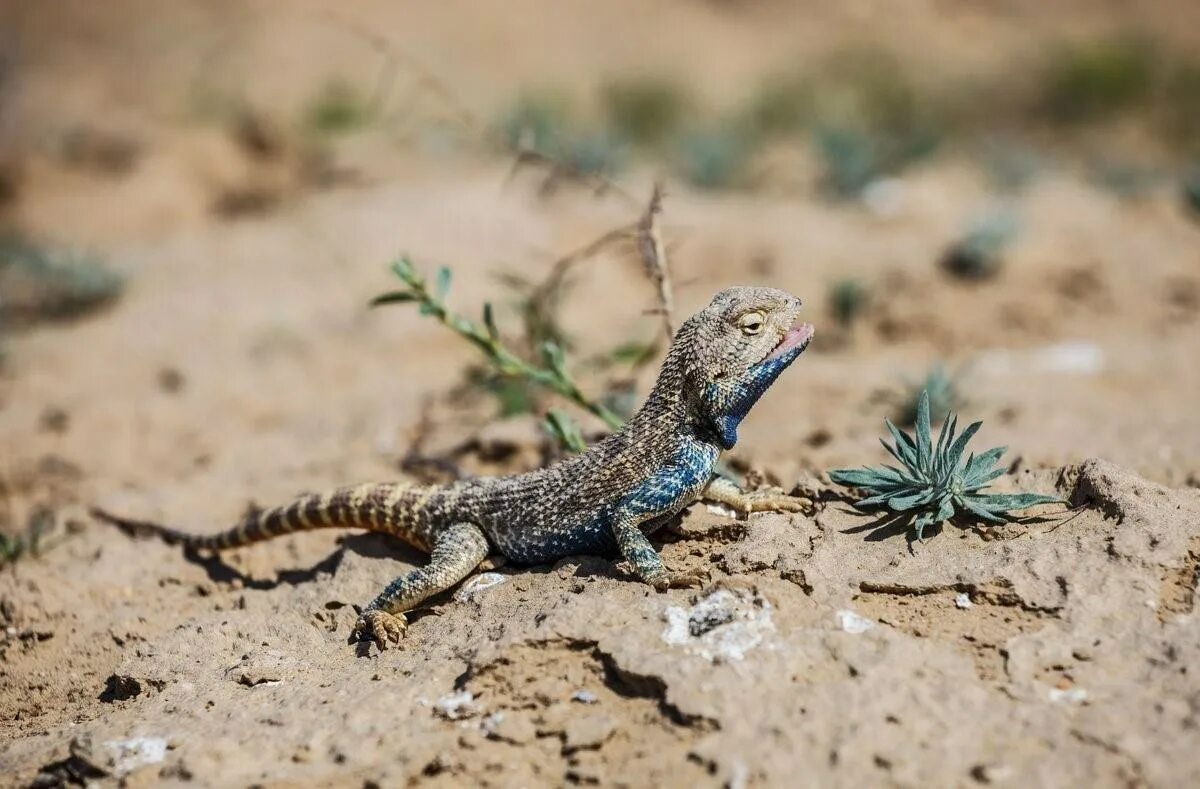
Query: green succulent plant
(979, 254)
(934, 483)
(847, 300)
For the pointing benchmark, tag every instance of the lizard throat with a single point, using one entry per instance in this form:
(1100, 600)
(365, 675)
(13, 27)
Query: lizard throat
(728, 405)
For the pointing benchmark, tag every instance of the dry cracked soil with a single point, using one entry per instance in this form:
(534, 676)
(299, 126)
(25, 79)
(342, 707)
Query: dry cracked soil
(240, 364)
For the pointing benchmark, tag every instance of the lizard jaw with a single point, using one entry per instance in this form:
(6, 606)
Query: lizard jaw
(795, 337)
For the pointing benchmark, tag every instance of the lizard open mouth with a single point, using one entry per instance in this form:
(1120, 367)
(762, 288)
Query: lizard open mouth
(797, 336)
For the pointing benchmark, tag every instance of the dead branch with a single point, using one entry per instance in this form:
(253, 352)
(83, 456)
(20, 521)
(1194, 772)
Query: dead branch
(654, 258)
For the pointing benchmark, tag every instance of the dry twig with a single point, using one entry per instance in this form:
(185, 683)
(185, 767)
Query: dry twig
(654, 258)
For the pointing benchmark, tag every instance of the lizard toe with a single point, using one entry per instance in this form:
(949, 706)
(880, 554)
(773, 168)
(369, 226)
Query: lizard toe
(379, 627)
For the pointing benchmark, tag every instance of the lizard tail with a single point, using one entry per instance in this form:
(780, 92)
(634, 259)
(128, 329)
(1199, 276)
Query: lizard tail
(385, 507)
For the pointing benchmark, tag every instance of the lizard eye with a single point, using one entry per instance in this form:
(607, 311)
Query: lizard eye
(752, 322)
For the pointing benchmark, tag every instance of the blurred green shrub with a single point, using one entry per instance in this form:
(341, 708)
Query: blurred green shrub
(39, 282)
(979, 253)
(781, 106)
(713, 158)
(538, 121)
(646, 111)
(848, 299)
(339, 107)
(1095, 80)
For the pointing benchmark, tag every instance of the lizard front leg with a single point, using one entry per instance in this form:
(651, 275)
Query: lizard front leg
(647, 564)
(723, 491)
(457, 552)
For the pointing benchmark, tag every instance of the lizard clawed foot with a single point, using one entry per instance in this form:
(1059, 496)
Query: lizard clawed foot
(688, 579)
(379, 627)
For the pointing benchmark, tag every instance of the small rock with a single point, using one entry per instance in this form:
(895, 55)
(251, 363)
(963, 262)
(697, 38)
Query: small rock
(456, 706)
(584, 697)
(120, 687)
(132, 754)
(962, 600)
(853, 623)
(721, 510)
(1069, 695)
(473, 586)
(722, 626)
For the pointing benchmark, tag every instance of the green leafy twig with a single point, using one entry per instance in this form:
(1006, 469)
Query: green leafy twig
(552, 374)
(565, 431)
(935, 483)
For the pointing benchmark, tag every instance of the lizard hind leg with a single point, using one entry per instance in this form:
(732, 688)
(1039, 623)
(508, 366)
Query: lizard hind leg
(457, 551)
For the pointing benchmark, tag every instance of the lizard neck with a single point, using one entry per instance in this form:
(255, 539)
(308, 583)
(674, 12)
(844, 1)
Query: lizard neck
(669, 413)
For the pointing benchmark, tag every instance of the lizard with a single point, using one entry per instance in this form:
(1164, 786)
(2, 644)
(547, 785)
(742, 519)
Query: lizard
(603, 501)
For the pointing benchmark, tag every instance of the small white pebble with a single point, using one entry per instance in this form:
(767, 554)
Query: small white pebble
(129, 755)
(474, 586)
(1070, 695)
(491, 723)
(584, 697)
(853, 623)
(962, 600)
(722, 510)
(456, 706)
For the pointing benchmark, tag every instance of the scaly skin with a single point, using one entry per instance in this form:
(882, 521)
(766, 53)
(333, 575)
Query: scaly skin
(601, 501)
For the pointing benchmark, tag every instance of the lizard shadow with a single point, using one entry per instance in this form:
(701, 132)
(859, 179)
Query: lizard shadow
(219, 571)
(371, 545)
(368, 545)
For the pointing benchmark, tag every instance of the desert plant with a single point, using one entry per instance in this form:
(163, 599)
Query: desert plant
(40, 282)
(536, 122)
(781, 106)
(645, 111)
(847, 300)
(934, 483)
(31, 542)
(338, 108)
(1098, 79)
(592, 154)
(978, 254)
(713, 158)
(551, 375)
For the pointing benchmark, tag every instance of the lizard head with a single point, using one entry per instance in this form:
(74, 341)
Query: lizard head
(739, 344)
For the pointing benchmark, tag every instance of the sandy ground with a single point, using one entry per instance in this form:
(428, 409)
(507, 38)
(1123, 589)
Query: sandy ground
(241, 364)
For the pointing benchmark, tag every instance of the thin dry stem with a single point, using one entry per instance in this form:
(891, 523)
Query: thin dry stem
(654, 258)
